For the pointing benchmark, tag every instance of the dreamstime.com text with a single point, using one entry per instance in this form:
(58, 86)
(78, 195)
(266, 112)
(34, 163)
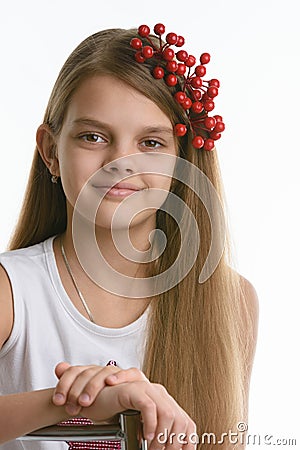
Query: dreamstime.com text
(241, 436)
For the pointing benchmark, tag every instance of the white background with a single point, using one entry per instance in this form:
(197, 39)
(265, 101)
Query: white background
(255, 52)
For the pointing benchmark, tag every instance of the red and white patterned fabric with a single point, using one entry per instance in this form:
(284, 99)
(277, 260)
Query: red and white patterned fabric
(93, 445)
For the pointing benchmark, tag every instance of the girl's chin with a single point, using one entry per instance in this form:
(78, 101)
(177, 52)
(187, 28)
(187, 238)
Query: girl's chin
(145, 219)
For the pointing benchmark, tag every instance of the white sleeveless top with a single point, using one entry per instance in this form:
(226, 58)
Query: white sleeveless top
(48, 329)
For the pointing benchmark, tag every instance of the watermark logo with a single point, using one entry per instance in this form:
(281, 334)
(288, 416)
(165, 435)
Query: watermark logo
(230, 437)
(92, 196)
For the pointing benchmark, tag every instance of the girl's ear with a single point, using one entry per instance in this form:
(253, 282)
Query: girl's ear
(47, 148)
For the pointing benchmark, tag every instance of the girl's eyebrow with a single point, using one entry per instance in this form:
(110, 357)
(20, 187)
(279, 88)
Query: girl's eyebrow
(158, 129)
(98, 124)
(88, 121)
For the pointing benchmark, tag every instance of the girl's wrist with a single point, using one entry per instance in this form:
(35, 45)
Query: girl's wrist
(56, 413)
(24, 412)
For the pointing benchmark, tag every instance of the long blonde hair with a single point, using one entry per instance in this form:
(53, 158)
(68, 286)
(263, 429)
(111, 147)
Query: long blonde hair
(198, 335)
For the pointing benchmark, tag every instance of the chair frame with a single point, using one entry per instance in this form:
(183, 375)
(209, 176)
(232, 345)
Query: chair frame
(128, 432)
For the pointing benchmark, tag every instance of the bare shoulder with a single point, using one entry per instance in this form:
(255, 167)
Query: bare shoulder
(251, 299)
(6, 307)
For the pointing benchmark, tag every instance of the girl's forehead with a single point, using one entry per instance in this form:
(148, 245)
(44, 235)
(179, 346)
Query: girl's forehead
(106, 95)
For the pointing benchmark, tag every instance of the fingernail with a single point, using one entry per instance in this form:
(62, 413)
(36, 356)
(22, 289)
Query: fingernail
(58, 398)
(150, 437)
(112, 378)
(84, 398)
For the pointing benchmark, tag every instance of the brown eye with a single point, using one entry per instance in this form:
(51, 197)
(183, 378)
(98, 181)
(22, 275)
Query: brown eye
(92, 138)
(152, 143)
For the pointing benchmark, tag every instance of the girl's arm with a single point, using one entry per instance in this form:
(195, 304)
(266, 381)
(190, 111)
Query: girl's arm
(24, 412)
(159, 411)
(28, 411)
(79, 386)
(6, 307)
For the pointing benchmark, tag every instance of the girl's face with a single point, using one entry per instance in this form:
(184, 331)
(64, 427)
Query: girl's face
(106, 121)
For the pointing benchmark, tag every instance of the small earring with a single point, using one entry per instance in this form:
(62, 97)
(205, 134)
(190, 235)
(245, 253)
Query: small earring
(54, 179)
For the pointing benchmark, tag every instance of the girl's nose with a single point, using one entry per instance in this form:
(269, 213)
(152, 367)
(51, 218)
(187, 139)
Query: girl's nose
(120, 166)
(125, 165)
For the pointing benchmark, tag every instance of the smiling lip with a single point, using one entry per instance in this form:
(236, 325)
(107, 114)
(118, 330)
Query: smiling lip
(120, 189)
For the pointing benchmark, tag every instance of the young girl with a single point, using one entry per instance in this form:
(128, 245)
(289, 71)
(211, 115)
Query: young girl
(88, 276)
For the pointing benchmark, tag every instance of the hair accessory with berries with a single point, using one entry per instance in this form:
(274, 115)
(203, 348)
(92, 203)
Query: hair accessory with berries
(196, 95)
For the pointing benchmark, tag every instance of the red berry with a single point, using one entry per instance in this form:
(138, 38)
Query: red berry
(158, 72)
(144, 30)
(205, 97)
(187, 103)
(220, 126)
(172, 66)
(180, 129)
(209, 105)
(168, 54)
(191, 61)
(171, 38)
(197, 107)
(205, 58)
(136, 43)
(212, 91)
(209, 144)
(139, 57)
(218, 118)
(182, 55)
(181, 69)
(159, 29)
(197, 95)
(215, 136)
(214, 82)
(180, 97)
(147, 51)
(200, 71)
(171, 80)
(180, 41)
(196, 82)
(210, 122)
(198, 142)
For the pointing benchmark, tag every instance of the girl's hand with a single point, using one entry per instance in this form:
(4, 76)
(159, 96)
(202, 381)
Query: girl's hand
(165, 423)
(79, 386)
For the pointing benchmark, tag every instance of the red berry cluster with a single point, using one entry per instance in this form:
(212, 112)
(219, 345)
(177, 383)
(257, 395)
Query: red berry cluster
(196, 95)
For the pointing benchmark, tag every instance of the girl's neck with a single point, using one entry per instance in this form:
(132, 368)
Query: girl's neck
(125, 251)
